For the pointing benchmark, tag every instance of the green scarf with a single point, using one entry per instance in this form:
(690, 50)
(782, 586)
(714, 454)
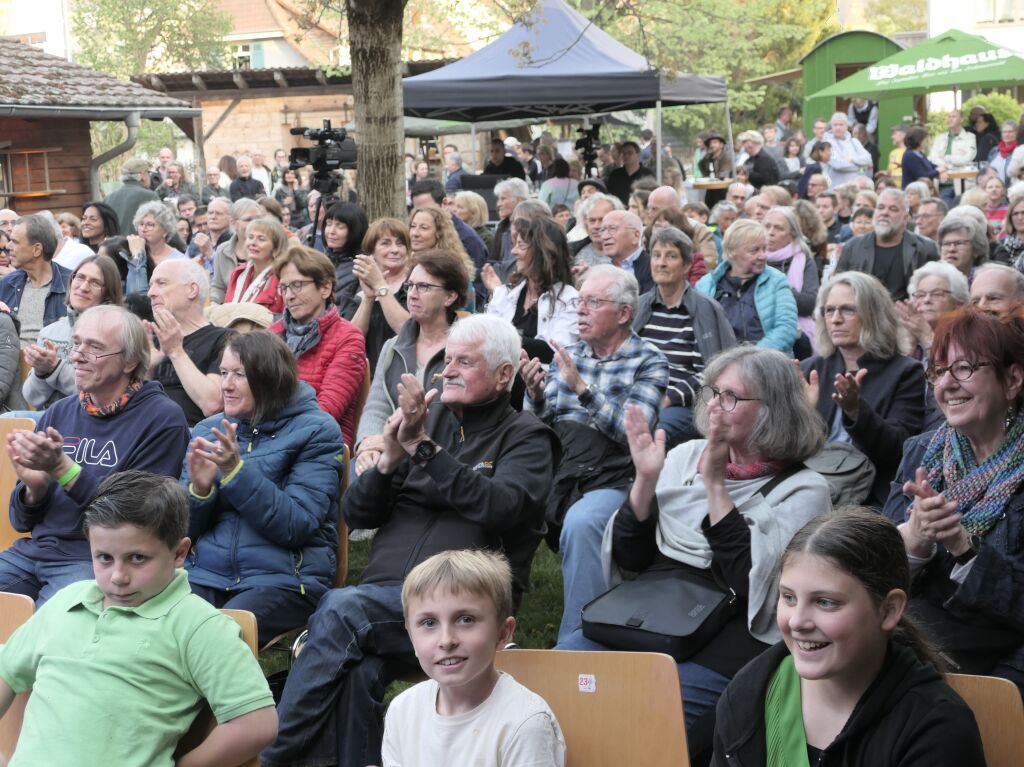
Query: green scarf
(784, 720)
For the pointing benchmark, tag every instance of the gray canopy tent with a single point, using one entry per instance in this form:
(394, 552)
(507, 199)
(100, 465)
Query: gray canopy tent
(554, 62)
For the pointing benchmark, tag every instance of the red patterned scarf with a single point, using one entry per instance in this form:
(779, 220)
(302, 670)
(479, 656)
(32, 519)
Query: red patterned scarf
(747, 470)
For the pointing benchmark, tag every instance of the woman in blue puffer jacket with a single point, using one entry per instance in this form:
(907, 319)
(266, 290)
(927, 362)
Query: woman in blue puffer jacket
(263, 484)
(757, 301)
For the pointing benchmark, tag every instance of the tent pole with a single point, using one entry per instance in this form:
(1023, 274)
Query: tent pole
(728, 135)
(472, 138)
(657, 139)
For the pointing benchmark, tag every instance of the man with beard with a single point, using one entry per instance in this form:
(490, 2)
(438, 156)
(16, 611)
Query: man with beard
(889, 252)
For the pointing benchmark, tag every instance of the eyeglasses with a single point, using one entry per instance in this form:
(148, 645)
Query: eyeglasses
(921, 295)
(961, 370)
(608, 229)
(954, 244)
(593, 304)
(726, 399)
(92, 282)
(421, 287)
(846, 311)
(294, 287)
(91, 355)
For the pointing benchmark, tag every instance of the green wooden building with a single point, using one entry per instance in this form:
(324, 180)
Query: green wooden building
(840, 56)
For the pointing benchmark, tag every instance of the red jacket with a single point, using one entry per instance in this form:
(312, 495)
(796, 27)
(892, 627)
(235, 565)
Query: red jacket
(335, 368)
(268, 297)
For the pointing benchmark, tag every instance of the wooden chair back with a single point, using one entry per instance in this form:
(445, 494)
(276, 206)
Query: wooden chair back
(8, 478)
(15, 609)
(23, 367)
(998, 709)
(205, 721)
(364, 393)
(341, 573)
(613, 707)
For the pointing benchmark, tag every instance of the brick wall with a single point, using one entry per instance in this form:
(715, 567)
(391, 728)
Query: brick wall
(258, 123)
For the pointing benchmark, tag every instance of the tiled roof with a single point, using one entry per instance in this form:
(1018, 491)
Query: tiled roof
(33, 79)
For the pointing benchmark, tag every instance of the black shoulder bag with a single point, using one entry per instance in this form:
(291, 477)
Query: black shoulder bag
(673, 611)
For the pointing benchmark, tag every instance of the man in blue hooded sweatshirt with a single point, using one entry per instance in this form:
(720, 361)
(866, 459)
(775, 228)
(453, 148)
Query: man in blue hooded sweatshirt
(116, 422)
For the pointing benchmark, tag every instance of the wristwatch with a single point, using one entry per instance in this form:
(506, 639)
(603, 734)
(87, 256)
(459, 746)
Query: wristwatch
(425, 451)
(974, 542)
(588, 394)
(382, 291)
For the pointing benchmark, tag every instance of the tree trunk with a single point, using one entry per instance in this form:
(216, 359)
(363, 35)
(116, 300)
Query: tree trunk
(375, 44)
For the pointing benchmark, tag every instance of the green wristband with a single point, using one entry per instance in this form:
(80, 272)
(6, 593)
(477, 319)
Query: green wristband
(69, 475)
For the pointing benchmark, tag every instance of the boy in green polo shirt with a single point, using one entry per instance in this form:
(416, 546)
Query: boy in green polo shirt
(120, 666)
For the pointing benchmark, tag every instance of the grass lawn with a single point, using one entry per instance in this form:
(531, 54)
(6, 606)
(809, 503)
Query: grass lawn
(537, 622)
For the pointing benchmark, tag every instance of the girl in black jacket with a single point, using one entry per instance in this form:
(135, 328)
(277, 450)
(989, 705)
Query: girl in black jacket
(853, 683)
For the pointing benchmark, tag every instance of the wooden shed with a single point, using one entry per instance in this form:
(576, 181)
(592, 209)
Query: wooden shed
(46, 106)
(837, 58)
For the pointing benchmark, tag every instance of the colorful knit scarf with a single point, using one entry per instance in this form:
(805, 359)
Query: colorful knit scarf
(114, 407)
(981, 492)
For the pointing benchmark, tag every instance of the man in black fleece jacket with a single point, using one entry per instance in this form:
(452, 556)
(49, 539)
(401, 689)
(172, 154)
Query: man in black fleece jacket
(473, 473)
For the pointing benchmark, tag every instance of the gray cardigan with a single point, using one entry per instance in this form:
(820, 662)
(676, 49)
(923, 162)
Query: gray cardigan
(710, 325)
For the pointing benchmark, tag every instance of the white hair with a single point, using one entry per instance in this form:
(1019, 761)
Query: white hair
(496, 338)
(624, 288)
(839, 117)
(944, 270)
(515, 187)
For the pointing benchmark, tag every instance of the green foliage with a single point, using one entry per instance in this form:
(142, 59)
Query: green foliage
(153, 134)
(739, 40)
(128, 37)
(1001, 106)
(888, 18)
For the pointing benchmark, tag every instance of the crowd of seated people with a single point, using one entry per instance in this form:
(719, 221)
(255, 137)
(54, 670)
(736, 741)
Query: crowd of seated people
(640, 382)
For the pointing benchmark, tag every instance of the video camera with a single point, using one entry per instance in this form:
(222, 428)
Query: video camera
(587, 148)
(334, 150)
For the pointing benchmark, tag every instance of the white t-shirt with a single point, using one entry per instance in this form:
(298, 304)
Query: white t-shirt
(514, 727)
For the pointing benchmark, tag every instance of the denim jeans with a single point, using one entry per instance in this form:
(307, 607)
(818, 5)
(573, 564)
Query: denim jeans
(580, 543)
(677, 421)
(37, 578)
(276, 610)
(701, 687)
(35, 415)
(332, 708)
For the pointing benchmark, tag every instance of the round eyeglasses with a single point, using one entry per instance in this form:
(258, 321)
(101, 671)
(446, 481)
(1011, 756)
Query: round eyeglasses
(726, 399)
(961, 370)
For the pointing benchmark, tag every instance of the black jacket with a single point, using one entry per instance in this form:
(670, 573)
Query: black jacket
(908, 717)
(859, 256)
(980, 622)
(892, 403)
(485, 489)
(246, 187)
(642, 272)
(762, 168)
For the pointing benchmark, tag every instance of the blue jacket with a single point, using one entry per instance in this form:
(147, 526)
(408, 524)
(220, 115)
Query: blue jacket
(149, 434)
(773, 299)
(274, 523)
(13, 285)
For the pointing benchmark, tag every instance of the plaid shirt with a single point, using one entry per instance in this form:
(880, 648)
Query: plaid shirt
(634, 374)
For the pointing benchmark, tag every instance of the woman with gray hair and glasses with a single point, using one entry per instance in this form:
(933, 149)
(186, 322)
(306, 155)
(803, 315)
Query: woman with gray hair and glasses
(963, 241)
(706, 512)
(155, 224)
(864, 387)
(935, 289)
